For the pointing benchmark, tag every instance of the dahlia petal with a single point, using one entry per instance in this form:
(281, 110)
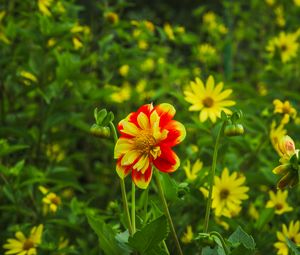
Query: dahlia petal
(175, 135)
(140, 179)
(168, 161)
(143, 121)
(129, 128)
(142, 164)
(146, 109)
(122, 146)
(129, 157)
(122, 171)
(166, 113)
(154, 119)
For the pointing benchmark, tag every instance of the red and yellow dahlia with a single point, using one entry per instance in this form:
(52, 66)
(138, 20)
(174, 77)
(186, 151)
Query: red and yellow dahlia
(147, 138)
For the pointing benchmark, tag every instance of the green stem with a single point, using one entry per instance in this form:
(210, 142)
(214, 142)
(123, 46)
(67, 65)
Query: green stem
(166, 247)
(125, 205)
(218, 235)
(133, 207)
(123, 187)
(146, 204)
(212, 176)
(167, 213)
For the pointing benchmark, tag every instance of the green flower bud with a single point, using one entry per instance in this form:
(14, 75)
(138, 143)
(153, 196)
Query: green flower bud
(234, 130)
(206, 240)
(98, 131)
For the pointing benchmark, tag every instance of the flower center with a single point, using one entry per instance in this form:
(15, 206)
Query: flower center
(278, 206)
(286, 109)
(208, 102)
(283, 47)
(28, 244)
(55, 200)
(144, 141)
(224, 194)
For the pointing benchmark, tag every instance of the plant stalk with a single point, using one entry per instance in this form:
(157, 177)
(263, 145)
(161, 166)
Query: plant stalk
(123, 187)
(212, 176)
(167, 213)
(133, 207)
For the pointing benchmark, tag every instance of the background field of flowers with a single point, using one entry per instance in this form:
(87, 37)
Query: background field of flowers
(60, 59)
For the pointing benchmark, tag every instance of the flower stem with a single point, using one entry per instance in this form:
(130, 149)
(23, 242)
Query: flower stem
(123, 187)
(133, 207)
(125, 205)
(212, 176)
(220, 237)
(146, 204)
(167, 213)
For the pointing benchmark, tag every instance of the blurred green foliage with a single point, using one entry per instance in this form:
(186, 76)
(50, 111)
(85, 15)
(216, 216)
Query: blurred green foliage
(61, 59)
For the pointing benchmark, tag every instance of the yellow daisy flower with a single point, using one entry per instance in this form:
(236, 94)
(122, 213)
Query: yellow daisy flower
(277, 132)
(278, 201)
(284, 108)
(188, 235)
(23, 245)
(192, 172)
(122, 94)
(169, 31)
(270, 2)
(77, 43)
(252, 211)
(292, 233)
(112, 17)
(297, 2)
(228, 193)
(206, 53)
(210, 100)
(51, 201)
(123, 70)
(44, 6)
(286, 44)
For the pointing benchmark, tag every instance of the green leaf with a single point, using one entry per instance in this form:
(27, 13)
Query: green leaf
(292, 247)
(17, 168)
(145, 240)
(101, 116)
(265, 216)
(6, 149)
(239, 236)
(106, 235)
(170, 187)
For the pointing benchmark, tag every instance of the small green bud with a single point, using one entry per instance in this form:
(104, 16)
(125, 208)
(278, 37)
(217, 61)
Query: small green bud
(205, 239)
(98, 131)
(234, 130)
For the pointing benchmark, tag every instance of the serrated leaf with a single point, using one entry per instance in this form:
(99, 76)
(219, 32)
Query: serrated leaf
(150, 236)
(106, 235)
(240, 236)
(292, 247)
